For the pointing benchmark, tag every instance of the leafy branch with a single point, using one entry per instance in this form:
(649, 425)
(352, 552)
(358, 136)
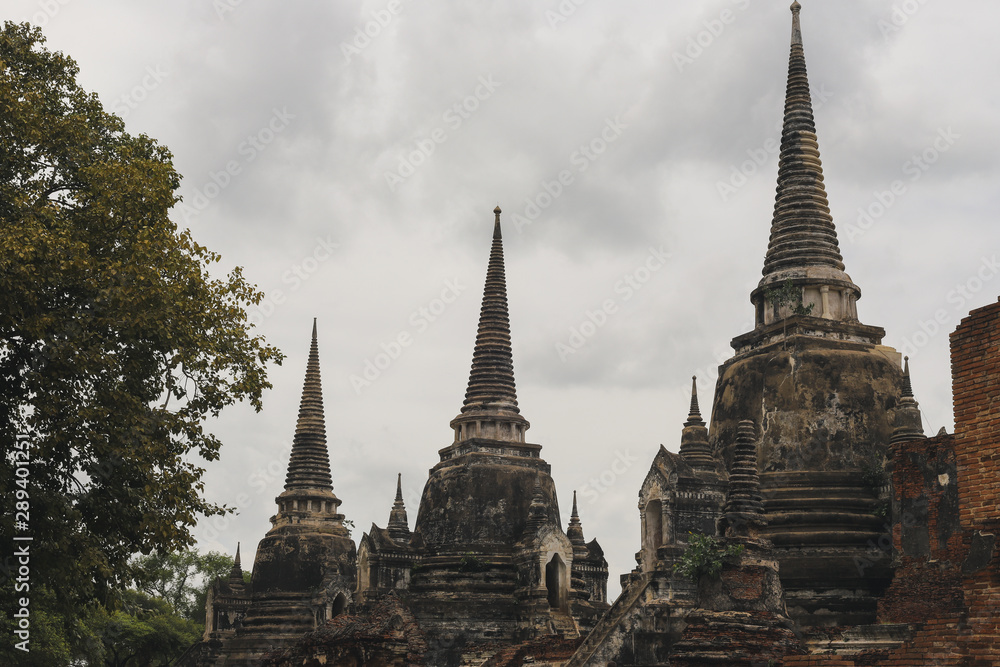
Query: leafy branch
(705, 556)
(788, 294)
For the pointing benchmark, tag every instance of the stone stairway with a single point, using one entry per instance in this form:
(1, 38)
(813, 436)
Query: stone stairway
(561, 623)
(608, 624)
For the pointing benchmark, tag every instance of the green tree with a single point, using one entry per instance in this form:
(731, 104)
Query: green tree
(116, 340)
(144, 631)
(182, 578)
(705, 556)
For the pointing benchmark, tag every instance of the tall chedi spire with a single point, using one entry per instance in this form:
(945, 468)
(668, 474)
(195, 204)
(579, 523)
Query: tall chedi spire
(307, 540)
(802, 251)
(308, 496)
(309, 466)
(490, 409)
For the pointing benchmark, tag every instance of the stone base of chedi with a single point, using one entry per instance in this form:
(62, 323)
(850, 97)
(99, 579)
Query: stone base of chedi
(740, 618)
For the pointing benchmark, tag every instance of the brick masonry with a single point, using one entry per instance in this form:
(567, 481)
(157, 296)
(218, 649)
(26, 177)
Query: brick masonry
(947, 492)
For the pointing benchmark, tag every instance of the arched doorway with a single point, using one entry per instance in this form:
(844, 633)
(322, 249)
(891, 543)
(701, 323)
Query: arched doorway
(654, 525)
(339, 605)
(555, 578)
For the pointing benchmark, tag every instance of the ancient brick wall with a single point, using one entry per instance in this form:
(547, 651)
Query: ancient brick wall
(947, 491)
(975, 363)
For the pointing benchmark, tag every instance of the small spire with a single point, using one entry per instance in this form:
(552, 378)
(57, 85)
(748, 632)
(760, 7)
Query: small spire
(907, 387)
(496, 224)
(399, 527)
(695, 448)
(236, 573)
(694, 413)
(796, 28)
(907, 422)
(575, 530)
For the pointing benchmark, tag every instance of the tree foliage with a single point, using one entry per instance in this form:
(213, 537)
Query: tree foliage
(788, 294)
(116, 340)
(182, 578)
(705, 556)
(145, 631)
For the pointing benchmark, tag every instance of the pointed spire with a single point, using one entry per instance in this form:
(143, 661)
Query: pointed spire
(802, 230)
(907, 422)
(236, 573)
(796, 28)
(907, 387)
(694, 438)
(744, 504)
(575, 530)
(491, 381)
(490, 408)
(694, 414)
(496, 223)
(309, 466)
(399, 527)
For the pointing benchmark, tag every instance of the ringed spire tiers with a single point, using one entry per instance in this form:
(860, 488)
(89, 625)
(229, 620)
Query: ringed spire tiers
(803, 248)
(490, 407)
(695, 448)
(308, 496)
(309, 467)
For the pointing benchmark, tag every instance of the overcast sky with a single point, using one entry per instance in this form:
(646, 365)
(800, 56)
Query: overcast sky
(349, 155)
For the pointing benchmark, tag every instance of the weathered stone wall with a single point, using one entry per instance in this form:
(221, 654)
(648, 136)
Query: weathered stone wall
(821, 404)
